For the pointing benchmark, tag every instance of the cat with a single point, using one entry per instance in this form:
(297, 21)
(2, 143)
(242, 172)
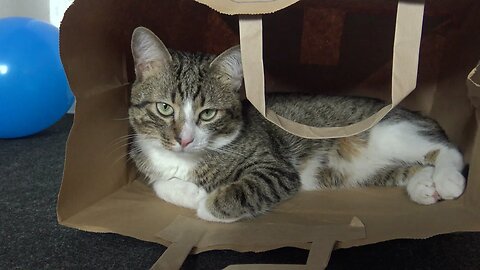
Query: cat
(201, 147)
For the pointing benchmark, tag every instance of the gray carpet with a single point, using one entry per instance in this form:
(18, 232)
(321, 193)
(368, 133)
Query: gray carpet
(30, 238)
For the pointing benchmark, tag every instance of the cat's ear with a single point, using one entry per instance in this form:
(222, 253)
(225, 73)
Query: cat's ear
(149, 53)
(228, 66)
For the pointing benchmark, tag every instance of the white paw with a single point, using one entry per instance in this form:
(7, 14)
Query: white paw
(449, 183)
(179, 192)
(421, 188)
(205, 214)
(197, 197)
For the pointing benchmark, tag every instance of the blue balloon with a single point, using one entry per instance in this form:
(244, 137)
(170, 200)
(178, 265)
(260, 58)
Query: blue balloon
(34, 92)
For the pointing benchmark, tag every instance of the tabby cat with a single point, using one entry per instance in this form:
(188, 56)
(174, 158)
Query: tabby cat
(200, 147)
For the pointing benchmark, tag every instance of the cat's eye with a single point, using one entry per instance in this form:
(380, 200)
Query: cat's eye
(164, 109)
(208, 114)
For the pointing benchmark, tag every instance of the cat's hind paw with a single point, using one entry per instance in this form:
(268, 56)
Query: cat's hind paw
(421, 187)
(449, 183)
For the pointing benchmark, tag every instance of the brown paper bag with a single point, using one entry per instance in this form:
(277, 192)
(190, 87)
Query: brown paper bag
(338, 47)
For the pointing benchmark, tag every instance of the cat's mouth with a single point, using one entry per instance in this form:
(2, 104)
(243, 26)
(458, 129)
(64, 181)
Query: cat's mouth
(194, 148)
(187, 150)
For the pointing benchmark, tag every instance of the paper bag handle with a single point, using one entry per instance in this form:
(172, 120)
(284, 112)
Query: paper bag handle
(318, 258)
(178, 251)
(322, 237)
(408, 31)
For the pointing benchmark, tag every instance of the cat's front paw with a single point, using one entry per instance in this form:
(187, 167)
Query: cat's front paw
(204, 212)
(421, 187)
(179, 192)
(449, 183)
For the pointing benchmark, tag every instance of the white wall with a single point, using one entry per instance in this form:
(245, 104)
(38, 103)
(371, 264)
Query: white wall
(57, 9)
(46, 10)
(38, 9)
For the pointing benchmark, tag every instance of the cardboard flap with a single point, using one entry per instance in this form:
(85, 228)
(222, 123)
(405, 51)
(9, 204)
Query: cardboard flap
(408, 32)
(473, 83)
(321, 237)
(233, 7)
(255, 7)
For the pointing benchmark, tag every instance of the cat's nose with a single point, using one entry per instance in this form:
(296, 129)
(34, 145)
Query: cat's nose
(184, 142)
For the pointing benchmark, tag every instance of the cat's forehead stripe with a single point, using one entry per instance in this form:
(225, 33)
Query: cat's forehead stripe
(180, 91)
(196, 91)
(202, 100)
(173, 96)
(189, 71)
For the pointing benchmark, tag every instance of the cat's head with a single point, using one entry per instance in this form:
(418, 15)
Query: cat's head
(184, 102)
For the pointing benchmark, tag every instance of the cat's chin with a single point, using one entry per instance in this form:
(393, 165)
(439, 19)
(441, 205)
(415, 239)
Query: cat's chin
(187, 155)
(186, 151)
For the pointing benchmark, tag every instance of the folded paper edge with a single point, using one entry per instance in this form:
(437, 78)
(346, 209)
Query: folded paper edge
(472, 74)
(252, 7)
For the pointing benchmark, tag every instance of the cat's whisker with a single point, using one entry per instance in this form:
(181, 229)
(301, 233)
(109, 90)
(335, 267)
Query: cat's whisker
(225, 151)
(123, 138)
(128, 155)
(121, 119)
(129, 136)
(135, 148)
(122, 146)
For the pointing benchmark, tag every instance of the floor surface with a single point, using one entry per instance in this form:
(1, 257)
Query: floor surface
(30, 238)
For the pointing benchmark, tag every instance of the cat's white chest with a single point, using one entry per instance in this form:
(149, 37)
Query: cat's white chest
(166, 165)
